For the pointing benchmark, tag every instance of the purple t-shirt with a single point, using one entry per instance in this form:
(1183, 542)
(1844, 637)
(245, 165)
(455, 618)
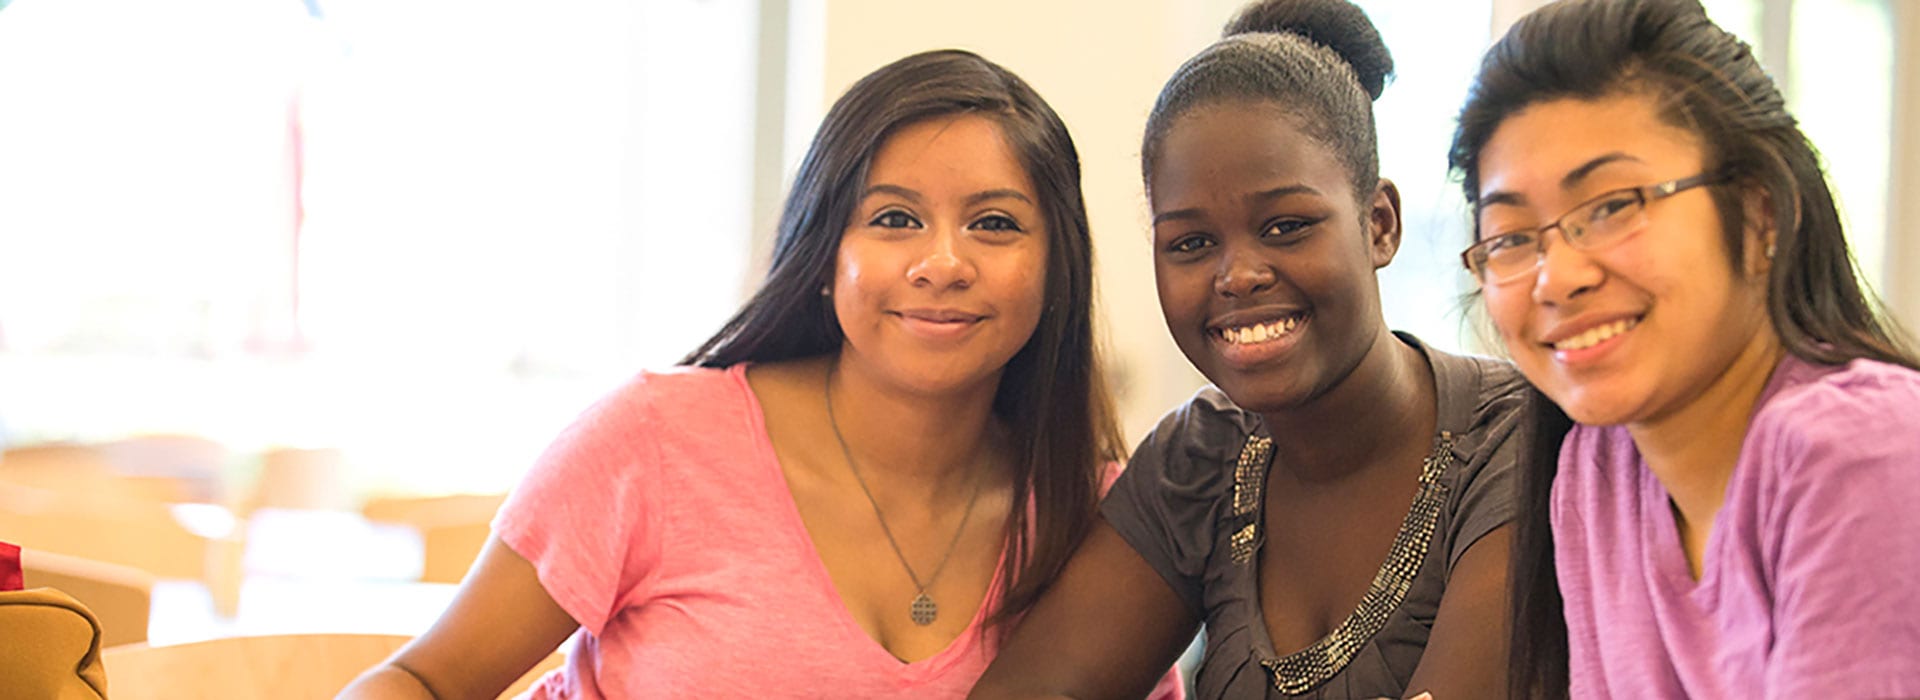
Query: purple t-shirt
(1810, 583)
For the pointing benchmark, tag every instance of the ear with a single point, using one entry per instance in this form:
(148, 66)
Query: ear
(1759, 230)
(1383, 218)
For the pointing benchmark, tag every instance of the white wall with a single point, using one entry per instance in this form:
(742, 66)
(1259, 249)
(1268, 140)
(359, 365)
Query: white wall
(1903, 200)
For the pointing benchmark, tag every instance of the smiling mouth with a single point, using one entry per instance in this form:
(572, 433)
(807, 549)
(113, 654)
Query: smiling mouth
(954, 317)
(1257, 333)
(1597, 334)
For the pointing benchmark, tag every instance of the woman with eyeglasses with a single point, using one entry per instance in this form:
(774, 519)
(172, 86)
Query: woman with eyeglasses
(1733, 511)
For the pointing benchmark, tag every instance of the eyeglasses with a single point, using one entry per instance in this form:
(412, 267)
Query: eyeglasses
(1593, 225)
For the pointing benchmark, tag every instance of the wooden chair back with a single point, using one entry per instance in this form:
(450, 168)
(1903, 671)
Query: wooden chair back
(294, 666)
(121, 597)
(452, 528)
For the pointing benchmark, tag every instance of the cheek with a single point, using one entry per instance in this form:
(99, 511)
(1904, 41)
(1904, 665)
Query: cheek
(1181, 293)
(1029, 283)
(854, 270)
(1508, 309)
(856, 286)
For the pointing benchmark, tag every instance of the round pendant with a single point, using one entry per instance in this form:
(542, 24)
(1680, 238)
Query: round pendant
(924, 610)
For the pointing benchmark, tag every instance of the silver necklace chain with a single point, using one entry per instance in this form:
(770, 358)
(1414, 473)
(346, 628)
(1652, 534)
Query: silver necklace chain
(923, 610)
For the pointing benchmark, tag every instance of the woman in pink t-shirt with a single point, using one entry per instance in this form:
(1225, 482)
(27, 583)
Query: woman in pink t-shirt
(853, 487)
(1732, 516)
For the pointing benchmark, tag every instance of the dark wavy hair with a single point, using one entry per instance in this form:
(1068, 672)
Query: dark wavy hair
(1320, 60)
(1052, 394)
(1708, 82)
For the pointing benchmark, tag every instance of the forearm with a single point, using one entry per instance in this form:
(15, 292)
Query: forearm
(386, 682)
(1004, 689)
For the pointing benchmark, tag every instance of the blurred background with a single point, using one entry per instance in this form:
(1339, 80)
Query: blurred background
(296, 290)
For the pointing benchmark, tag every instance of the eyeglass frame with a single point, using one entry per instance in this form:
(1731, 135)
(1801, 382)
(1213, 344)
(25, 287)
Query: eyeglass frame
(1647, 194)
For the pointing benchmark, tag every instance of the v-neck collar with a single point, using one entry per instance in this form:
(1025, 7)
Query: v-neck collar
(800, 543)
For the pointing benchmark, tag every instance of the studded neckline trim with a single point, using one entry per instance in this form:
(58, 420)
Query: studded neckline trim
(1301, 671)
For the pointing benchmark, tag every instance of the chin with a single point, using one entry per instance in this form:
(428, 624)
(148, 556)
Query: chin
(1258, 394)
(1592, 406)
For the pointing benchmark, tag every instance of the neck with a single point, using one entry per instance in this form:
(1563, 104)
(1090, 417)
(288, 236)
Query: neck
(1390, 393)
(1692, 450)
(897, 435)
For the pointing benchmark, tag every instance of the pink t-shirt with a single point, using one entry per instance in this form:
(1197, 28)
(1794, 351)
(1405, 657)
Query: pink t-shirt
(1808, 587)
(661, 521)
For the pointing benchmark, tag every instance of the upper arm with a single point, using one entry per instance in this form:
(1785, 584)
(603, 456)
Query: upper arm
(1466, 654)
(1844, 539)
(1109, 627)
(500, 624)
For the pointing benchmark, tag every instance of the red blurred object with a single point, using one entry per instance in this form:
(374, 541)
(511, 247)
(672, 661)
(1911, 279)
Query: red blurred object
(10, 579)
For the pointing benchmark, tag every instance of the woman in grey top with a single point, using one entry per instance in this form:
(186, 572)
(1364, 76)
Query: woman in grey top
(1334, 507)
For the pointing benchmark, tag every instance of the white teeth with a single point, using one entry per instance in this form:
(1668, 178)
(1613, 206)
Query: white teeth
(1593, 336)
(1260, 332)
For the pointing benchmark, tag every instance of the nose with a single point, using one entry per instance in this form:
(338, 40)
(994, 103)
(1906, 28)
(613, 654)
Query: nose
(1242, 275)
(1564, 272)
(943, 263)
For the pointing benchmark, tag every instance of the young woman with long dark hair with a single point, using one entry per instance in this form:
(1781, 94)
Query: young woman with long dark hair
(871, 469)
(1730, 514)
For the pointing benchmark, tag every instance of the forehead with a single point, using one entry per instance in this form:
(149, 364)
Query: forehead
(1233, 148)
(961, 150)
(1534, 150)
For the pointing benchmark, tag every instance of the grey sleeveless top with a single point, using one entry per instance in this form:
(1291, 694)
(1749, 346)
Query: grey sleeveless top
(1190, 503)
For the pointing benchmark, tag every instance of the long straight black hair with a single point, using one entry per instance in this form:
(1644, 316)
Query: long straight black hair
(1707, 81)
(1052, 394)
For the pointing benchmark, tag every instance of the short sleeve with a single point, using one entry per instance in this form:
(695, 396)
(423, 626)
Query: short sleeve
(1844, 533)
(1485, 503)
(582, 516)
(1165, 503)
(1486, 483)
(1486, 493)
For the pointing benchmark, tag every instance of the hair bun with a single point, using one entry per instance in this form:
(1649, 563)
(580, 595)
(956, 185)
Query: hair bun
(1336, 24)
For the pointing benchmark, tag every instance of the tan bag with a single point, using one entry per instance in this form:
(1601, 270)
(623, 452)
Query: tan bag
(49, 647)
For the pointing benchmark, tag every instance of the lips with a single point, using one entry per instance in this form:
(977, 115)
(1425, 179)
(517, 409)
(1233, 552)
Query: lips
(1246, 329)
(1258, 332)
(1248, 339)
(1586, 334)
(941, 325)
(940, 315)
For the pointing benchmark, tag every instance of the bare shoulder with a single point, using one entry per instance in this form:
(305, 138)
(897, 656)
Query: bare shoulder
(787, 381)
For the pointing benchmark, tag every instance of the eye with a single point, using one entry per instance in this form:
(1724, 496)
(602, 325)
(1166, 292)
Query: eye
(1613, 205)
(1189, 245)
(997, 222)
(1518, 240)
(894, 218)
(1286, 228)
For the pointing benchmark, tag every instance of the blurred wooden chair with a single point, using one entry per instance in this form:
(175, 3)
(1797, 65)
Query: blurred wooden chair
(50, 647)
(53, 465)
(195, 466)
(310, 479)
(453, 529)
(121, 597)
(140, 534)
(86, 471)
(291, 666)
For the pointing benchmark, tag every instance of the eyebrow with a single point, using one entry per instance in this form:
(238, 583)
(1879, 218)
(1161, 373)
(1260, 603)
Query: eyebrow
(1257, 197)
(894, 190)
(1567, 182)
(972, 200)
(990, 195)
